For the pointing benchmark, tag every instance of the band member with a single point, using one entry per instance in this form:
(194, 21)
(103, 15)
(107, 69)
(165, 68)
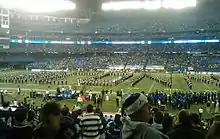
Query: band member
(19, 90)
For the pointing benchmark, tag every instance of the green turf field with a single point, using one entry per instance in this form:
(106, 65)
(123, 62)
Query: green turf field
(145, 84)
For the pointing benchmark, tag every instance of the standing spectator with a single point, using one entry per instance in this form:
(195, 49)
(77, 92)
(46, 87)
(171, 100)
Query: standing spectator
(213, 132)
(136, 127)
(50, 124)
(110, 119)
(158, 120)
(20, 129)
(104, 122)
(184, 129)
(167, 123)
(68, 128)
(196, 123)
(30, 118)
(90, 124)
(114, 128)
(99, 102)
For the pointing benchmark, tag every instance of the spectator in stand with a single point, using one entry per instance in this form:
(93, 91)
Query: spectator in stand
(216, 118)
(104, 122)
(90, 124)
(68, 128)
(75, 114)
(196, 123)
(213, 132)
(20, 129)
(184, 129)
(110, 119)
(158, 120)
(136, 107)
(50, 124)
(30, 118)
(114, 128)
(167, 123)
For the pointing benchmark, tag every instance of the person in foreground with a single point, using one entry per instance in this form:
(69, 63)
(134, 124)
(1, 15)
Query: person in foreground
(136, 114)
(185, 129)
(50, 125)
(20, 129)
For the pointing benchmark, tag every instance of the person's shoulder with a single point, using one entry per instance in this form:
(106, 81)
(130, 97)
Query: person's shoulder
(149, 132)
(154, 132)
(198, 132)
(38, 128)
(88, 116)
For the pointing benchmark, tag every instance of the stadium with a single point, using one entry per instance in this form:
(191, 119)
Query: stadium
(101, 53)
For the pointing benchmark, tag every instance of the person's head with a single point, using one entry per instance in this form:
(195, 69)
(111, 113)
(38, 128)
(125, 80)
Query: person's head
(117, 118)
(213, 132)
(216, 118)
(30, 115)
(65, 111)
(195, 119)
(5, 104)
(167, 123)
(158, 117)
(184, 118)
(136, 107)
(20, 115)
(97, 111)
(154, 110)
(51, 114)
(89, 108)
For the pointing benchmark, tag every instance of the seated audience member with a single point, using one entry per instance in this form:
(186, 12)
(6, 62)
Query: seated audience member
(50, 125)
(90, 124)
(158, 120)
(20, 130)
(167, 123)
(213, 132)
(75, 114)
(68, 128)
(216, 118)
(184, 129)
(110, 119)
(30, 118)
(196, 123)
(114, 128)
(136, 107)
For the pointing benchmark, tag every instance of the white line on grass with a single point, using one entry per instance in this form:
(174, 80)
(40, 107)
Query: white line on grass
(151, 87)
(207, 86)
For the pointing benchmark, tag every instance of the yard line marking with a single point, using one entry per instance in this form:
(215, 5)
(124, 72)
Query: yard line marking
(207, 86)
(151, 87)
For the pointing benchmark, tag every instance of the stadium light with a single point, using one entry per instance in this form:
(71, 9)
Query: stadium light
(148, 4)
(38, 6)
(174, 4)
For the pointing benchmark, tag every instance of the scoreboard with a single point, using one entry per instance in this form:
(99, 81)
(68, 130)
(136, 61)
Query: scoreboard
(4, 28)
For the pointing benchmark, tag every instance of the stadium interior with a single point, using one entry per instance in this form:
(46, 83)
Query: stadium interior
(71, 56)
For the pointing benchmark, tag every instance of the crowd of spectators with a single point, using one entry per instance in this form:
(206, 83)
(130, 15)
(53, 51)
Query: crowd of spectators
(138, 119)
(172, 62)
(122, 22)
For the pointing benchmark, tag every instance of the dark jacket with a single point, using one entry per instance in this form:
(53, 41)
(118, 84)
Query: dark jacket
(185, 132)
(20, 132)
(114, 130)
(68, 129)
(201, 129)
(44, 132)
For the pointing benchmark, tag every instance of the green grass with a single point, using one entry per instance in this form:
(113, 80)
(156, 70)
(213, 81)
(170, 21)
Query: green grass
(146, 85)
